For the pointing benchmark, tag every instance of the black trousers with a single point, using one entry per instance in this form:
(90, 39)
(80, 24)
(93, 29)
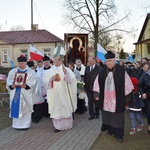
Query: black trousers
(148, 111)
(45, 109)
(92, 104)
(81, 108)
(37, 114)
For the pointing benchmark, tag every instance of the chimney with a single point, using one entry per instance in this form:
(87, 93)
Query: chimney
(34, 27)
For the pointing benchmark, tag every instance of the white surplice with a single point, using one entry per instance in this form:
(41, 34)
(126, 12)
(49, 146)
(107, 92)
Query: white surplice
(26, 101)
(61, 96)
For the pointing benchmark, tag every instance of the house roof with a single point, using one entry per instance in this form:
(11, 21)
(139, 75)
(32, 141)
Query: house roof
(143, 28)
(28, 36)
(143, 41)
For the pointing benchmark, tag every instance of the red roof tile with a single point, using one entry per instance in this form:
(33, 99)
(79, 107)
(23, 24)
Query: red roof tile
(25, 36)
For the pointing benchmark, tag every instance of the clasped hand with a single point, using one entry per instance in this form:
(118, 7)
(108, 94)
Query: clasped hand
(23, 86)
(54, 78)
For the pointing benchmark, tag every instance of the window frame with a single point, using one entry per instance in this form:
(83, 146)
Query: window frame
(4, 56)
(48, 53)
(148, 49)
(24, 53)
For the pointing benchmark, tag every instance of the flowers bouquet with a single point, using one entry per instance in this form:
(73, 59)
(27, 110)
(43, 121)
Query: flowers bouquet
(80, 85)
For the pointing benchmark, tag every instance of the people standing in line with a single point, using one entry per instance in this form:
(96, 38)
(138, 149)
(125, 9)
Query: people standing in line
(138, 66)
(90, 75)
(128, 68)
(135, 69)
(144, 68)
(81, 108)
(80, 67)
(39, 65)
(46, 67)
(102, 64)
(145, 60)
(61, 86)
(121, 63)
(132, 68)
(134, 107)
(144, 87)
(38, 99)
(115, 88)
(21, 82)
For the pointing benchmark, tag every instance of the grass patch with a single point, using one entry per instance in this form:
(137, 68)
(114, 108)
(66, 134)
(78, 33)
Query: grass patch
(5, 121)
(139, 141)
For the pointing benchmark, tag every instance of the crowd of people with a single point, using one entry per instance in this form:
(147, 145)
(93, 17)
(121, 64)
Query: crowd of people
(57, 91)
(139, 107)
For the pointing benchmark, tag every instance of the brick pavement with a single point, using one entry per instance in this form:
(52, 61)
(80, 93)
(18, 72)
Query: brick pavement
(41, 136)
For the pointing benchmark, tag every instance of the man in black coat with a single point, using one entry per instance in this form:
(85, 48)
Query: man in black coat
(90, 75)
(115, 85)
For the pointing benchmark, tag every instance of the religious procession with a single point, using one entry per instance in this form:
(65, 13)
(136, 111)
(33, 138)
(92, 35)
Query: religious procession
(52, 89)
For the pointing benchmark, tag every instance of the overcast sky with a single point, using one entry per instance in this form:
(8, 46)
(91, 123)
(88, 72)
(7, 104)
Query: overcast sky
(48, 15)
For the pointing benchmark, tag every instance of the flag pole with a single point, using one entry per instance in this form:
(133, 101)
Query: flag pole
(32, 22)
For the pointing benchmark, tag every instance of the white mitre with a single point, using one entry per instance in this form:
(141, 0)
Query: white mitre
(59, 51)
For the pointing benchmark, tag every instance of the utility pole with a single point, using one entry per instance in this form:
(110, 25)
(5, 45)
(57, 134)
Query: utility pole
(32, 22)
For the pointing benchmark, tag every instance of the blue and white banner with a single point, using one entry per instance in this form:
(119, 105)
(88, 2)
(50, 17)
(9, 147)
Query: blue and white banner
(130, 58)
(101, 53)
(11, 62)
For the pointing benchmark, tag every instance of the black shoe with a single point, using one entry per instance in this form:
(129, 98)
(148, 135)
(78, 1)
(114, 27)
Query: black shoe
(25, 129)
(22, 129)
(35, 121)
(56, 130)
(91, 117)
(81, 113)
(108, 133)
(148, 131)
(47, 116)
(85, 108)
(97, 117)
(120, 140)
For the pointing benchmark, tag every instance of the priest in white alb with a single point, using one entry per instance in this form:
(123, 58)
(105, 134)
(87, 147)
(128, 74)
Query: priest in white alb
(61, 86)
(20, 83)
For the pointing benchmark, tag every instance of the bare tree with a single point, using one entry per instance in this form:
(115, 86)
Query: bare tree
(95, 17)
(146, 7)
(17, 28)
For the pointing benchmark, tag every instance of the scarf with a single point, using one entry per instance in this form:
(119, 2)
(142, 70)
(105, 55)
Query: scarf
(109, 94)
(15, 106)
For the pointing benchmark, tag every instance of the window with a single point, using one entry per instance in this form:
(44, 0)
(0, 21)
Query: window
(5, 56)
(24, 52)
(148, 49)
(47, 52)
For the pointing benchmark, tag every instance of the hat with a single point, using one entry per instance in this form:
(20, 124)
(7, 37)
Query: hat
(30, 63)
(59, 52)
(22, 58)
(135, 83)
(109, 55)
(46, 58)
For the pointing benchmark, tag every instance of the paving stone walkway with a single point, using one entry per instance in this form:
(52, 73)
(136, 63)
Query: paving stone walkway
(41, 136)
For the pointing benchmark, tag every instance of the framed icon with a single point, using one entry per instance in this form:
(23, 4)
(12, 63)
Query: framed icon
(20, 78)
